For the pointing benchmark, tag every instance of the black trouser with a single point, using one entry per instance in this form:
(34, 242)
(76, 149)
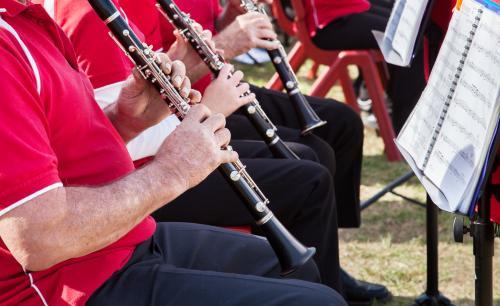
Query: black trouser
(338, 143)
(187, 264)
(354, 32)
(301, 194)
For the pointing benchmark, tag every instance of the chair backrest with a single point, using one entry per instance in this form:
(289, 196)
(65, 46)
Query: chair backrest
(320, 56)
(283, 20)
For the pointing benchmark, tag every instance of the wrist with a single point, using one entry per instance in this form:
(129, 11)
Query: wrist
(121, 123)
(221, 40)
(169, 173)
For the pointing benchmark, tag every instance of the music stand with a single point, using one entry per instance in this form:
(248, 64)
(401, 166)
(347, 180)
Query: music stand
(432, 296)
(483, 234)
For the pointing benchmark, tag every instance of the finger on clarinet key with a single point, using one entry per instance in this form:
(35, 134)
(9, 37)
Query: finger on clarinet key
(215, 122)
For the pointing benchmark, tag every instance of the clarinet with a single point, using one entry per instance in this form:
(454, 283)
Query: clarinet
(215, 63)
(308, 118)
(290, 252)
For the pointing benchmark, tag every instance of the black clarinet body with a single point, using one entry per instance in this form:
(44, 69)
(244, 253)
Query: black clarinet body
(307, 117)
(254, 112)
(290, 252)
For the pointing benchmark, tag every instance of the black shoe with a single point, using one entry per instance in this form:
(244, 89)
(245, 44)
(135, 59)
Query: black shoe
(357, 291)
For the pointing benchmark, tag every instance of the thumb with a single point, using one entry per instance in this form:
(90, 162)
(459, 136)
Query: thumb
(178, 37)
(134, 85)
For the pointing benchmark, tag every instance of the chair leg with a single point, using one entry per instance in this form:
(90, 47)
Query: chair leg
(327, 79)
(376, 92)
(313, 72)
(348, 89)
(296, 58)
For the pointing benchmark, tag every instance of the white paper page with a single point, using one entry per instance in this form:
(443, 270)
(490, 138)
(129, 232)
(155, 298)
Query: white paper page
(459, 153)
(392, 24)
(408, 29)
(384, 39)
(432, 190)
(416, 135)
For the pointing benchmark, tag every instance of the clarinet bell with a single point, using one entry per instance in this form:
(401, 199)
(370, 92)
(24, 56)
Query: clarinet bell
(290, 252)
(308, 118)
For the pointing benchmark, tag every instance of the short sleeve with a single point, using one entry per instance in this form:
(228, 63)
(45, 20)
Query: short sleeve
(90, 38)
(28, 165)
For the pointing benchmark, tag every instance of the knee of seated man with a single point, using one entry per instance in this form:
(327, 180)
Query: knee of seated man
(316, 295)
(342, 114)
(303, 151)
(316, 174)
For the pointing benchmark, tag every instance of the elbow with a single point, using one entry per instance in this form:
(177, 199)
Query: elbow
(35, 261)
(35, 254)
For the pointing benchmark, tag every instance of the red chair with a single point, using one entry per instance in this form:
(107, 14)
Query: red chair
(370, 62)
(241, 229)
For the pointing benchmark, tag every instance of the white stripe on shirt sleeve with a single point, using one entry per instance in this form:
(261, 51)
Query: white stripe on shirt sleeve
(31, 60)
(29, 198)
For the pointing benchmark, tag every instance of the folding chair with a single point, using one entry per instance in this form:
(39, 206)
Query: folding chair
(368, 61)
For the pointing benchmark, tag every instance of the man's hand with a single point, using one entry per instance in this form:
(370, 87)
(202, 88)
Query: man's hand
(236, 4)
(182, 50)
(193, 150)
(251, 30)
(225, 94)
(139, 105)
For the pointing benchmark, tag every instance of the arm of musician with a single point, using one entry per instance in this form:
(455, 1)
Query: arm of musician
(70, 222)
(181, 50)
(139, 106)
(231, 11)
(226, 94)
(247, 31)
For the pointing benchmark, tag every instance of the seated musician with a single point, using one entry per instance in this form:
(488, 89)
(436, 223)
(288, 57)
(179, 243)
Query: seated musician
(237, 33)
(74, 214)
(301, 192)
(348, 25)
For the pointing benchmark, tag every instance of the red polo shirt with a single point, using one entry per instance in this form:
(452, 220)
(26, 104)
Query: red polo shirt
(89, 36)
(321, 12)
(147, 18)
(53, 134)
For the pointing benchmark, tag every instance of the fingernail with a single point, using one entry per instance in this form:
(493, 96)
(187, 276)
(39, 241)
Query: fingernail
(185, 92)
(177, 81)
(168, 67)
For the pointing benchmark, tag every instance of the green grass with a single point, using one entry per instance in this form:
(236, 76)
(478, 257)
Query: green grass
(389, 248)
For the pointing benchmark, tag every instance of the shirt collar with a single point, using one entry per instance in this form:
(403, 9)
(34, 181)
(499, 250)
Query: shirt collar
(12, 7)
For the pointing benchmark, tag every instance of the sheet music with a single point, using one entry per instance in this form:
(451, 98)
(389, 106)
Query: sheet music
(398, 40)
(408, 28)
(394, 19)
(416, 135)
(458, 156)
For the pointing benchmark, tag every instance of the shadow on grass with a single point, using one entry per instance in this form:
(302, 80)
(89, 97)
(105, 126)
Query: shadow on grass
(400, 221)
(376, 170)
